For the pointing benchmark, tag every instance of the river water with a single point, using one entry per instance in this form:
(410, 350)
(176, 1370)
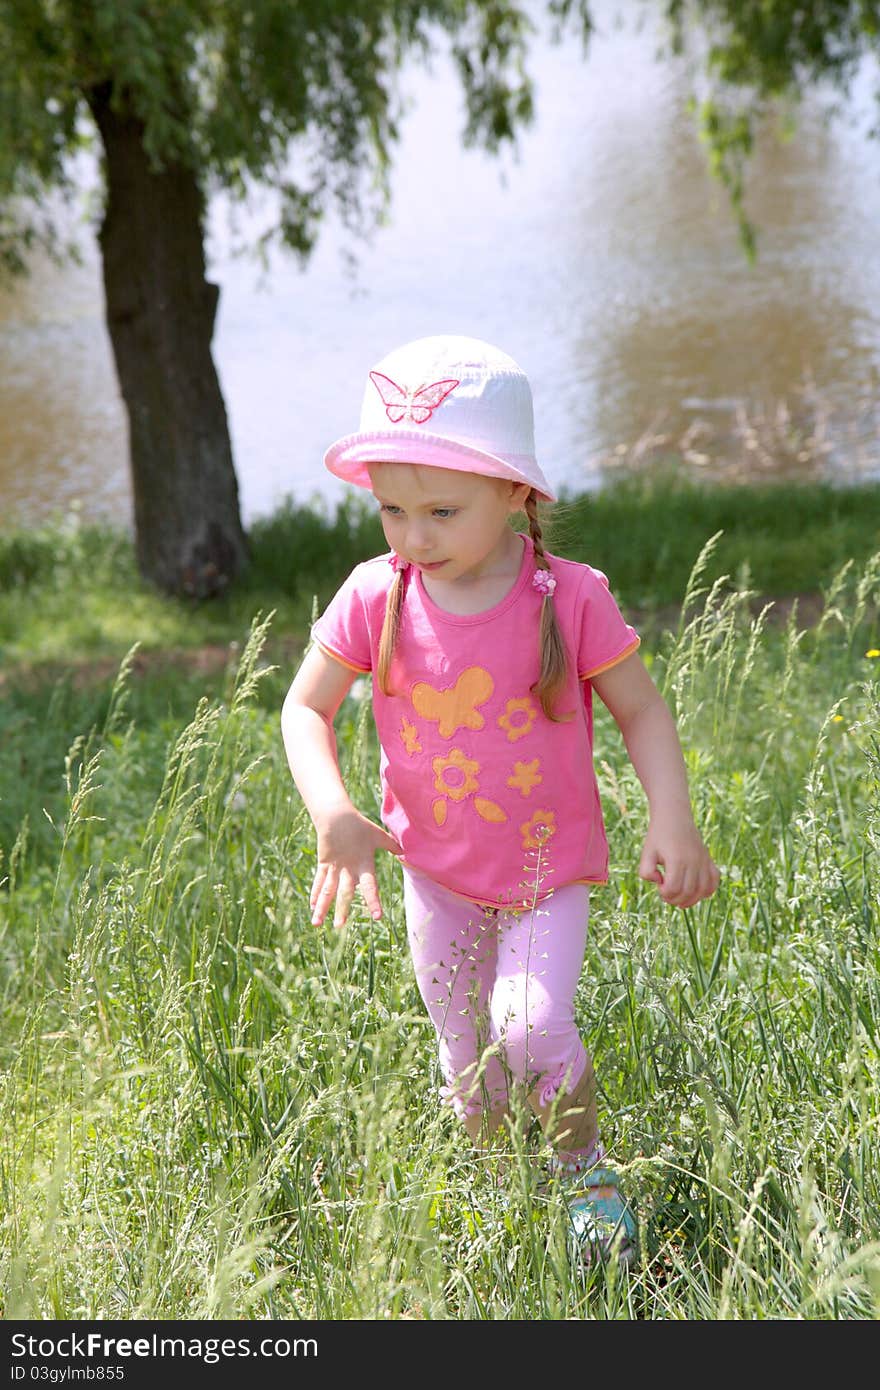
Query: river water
(603, 258)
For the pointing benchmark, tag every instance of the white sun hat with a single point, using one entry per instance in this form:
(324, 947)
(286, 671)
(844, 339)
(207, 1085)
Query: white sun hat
(449, 402)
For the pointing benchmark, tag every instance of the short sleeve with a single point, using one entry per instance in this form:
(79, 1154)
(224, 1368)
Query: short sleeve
(343, 629)
(605, 638)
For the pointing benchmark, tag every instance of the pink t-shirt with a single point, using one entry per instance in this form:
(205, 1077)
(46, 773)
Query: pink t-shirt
(485, 794)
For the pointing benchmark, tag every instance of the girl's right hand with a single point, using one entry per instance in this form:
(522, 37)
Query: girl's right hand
(347, 845)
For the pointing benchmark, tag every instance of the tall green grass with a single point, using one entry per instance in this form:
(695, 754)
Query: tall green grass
(211, 1109)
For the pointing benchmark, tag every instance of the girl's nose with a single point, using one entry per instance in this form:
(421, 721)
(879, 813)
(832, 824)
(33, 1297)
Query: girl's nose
(417, 538)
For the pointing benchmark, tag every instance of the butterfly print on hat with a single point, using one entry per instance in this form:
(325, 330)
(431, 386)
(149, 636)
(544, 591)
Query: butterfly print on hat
(403, 404)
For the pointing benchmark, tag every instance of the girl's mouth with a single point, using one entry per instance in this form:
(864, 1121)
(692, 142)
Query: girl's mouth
(435, 565)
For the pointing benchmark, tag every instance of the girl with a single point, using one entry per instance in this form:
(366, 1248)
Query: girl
(485, 651)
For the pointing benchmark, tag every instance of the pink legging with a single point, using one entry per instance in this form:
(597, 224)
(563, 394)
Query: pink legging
(499, 988)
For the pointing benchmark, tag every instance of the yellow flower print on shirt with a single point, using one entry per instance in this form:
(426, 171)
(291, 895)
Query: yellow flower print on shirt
(526, 777)
(539, 829)
(518, 718)
(409, 736)
(455, 775)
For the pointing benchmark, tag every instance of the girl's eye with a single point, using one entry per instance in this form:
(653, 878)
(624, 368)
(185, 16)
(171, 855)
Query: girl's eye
(392, 511)
(444, 512)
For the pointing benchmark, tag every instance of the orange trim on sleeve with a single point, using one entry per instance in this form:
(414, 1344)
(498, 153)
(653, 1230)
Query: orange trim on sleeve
(361, 670)
(628, 651)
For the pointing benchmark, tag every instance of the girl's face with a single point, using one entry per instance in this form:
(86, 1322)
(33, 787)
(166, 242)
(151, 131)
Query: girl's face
(449, 524)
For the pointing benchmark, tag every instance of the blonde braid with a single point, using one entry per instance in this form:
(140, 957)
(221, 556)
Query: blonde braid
(554, 661)
(390, 629)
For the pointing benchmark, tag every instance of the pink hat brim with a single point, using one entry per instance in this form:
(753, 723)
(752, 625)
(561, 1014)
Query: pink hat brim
(348, 458)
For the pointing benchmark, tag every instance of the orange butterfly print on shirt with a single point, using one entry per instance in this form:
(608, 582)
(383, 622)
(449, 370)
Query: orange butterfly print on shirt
(456, 706)
(403, 403)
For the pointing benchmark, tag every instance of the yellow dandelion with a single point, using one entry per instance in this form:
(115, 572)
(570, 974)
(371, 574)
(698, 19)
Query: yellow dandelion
(873, 652)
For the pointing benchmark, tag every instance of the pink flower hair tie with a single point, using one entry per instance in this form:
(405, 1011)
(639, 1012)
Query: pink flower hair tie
(397, 564)
(544, 582)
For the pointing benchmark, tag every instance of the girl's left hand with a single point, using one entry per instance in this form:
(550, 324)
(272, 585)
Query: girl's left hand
(676, 859)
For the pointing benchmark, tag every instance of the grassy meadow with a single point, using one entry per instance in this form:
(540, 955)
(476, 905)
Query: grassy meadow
(211, 1109)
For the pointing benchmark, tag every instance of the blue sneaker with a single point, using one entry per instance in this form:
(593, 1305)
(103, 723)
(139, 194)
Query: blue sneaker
(602, 1225)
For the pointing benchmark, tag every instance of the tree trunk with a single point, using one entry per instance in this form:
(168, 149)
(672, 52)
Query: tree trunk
(160, 315)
